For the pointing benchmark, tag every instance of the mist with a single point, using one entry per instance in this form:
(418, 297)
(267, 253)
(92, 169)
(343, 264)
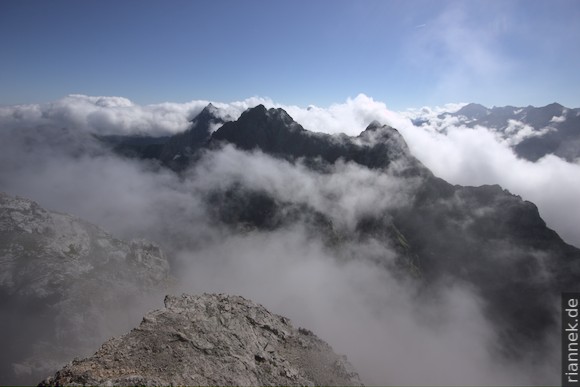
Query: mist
(390, 330)
(391, 334)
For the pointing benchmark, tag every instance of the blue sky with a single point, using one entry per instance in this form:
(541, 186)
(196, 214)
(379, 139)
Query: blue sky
(404, 53)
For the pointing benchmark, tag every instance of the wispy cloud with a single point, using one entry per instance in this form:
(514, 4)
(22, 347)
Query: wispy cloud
(460, 50)
(103, 115)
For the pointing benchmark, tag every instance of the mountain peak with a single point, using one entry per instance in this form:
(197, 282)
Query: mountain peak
(179, 150)
(473, 110)
(555, 104)
(374, 125)
(256, 110)
(261, 113)
(209, 112)
(258, 127)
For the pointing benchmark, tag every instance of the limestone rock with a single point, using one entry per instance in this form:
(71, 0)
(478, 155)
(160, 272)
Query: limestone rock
(211, 339)
(65, 286)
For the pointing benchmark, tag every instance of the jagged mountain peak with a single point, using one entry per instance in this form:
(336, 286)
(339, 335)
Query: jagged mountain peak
(377, 134)
(177, 153)
(274, 131)
(209, 112)
(474, 110)
(374, 125)
(262, 114)
(268, 129)
(555, 105)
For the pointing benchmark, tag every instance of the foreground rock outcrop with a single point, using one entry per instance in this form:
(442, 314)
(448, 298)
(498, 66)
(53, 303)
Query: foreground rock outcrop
(211, 340)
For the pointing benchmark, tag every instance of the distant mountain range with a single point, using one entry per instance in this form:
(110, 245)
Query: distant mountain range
(552, 129)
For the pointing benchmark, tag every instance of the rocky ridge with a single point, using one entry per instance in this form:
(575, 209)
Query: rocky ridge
(211, 339)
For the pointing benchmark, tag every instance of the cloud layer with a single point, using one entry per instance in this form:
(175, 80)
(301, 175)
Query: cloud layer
(459, 155)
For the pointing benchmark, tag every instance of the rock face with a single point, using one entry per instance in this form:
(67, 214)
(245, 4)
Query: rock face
(78, 282)
(211, 340)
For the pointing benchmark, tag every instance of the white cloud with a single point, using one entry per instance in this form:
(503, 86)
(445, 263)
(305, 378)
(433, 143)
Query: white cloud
(350, 117)
(103, 115)
(345, 195)
(517, 131)
(116, 115)
(428, 112)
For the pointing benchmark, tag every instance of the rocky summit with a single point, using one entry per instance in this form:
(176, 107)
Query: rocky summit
(211, 339)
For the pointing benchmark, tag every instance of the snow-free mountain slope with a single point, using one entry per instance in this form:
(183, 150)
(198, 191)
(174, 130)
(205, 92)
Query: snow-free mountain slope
(211, 339)
(80, 284)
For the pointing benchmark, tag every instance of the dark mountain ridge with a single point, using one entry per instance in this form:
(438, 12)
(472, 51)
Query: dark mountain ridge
(274, 132)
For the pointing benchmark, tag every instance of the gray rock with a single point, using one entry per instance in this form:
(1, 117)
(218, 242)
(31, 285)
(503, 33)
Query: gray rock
(65, 286)
(211, 340)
